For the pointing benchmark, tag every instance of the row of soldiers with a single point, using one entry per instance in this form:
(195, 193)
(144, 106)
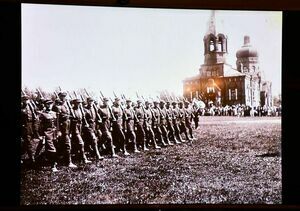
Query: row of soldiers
(65, 127)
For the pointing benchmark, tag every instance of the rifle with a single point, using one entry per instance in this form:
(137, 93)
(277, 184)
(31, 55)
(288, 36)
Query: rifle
(40, 93)
(56, 95)
(137, 95)
(95, 108)
(125, 115)
(31, 107)
(83, 114)
(109, 108)
(69, 105)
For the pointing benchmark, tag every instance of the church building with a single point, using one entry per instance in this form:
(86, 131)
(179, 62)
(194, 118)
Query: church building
(222, 84)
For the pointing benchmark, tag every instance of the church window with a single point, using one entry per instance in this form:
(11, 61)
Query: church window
(211, 45)
(236, 94)
(229, 94)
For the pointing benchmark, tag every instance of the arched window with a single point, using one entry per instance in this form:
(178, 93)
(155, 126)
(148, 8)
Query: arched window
(211, 45)
(221, 44)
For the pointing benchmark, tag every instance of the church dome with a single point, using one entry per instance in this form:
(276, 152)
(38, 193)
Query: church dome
(247, 50)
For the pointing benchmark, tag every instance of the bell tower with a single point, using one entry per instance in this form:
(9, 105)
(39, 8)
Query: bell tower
(215, 45)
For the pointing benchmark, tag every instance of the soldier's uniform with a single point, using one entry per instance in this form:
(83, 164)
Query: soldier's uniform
(176, 121)
(196, 113)
(182, 119)
(164, 122)
(141, 135)
(170, 124)
(29, 131)
(90, 131)
(149, 117)
(157, 124)
(130, 124)
(105, 127)
(76, 129)
(189, 115)
(119, 138)
(63, 110)
(48, 127)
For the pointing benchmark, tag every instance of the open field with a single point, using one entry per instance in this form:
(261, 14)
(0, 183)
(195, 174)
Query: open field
(233, 161)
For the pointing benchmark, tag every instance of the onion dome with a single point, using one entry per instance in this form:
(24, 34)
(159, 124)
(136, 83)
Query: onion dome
(246, 50)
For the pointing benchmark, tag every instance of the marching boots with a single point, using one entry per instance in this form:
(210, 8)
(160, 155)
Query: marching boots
(169, 142)
(113, 153)
(125, 150)
(155, 144)
(176, 141)
(135, 150)
(180, 139)
(70, 164)
(98, 156)
(163, 142)
(85, 160)
(144, 146)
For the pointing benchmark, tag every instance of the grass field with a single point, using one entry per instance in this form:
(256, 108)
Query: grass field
(233, 161)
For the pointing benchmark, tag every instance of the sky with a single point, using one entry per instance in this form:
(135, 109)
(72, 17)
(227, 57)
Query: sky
(135, 49)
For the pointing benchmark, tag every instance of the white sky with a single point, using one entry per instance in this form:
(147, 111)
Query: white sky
(135, 49)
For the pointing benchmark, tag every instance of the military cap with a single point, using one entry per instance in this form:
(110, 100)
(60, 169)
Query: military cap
(105, 99)
(117, 99)
(128, 100)
(147, 102)
(139, 101)
(174, 103)
(48, 101)
(186, 102)
(162, 102)
(155, 102)
(168, 102)
(180, 102)
(25, 97)
(89, 99)
(77, 101)
(58, 101)
(62, 94)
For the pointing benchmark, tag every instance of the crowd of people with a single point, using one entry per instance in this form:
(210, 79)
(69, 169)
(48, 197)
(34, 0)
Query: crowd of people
(240, 111)
(70, 129)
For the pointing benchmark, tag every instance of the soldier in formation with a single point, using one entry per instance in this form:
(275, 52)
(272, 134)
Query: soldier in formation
(68, 129)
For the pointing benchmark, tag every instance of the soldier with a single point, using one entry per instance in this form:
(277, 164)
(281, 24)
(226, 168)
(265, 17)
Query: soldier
(64, 112)
(149, 117)
(157, 123)
(105, 126)
(48, 127)
(90, 131)
(118, 125)
(29, 131)
(182, 117)
(189, 115)
(140, 113)
(176, 121)
(130, 124)
(196, 113)
(170, 125)
(163, 122)
(76, 128)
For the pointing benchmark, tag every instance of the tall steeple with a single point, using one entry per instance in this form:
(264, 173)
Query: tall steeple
(212, 23)
(215, 45)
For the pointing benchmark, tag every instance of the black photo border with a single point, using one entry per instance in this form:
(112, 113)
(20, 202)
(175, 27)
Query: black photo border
(10, 42)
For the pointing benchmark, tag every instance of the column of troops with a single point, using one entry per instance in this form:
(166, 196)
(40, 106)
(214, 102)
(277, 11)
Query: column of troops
(73, 129)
